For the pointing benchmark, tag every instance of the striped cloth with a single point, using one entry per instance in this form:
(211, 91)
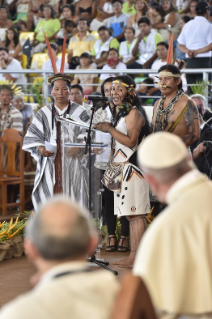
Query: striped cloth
(75, 173)
(11, 119)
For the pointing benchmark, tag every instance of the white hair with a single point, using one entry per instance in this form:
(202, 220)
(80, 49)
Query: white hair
(201, 97)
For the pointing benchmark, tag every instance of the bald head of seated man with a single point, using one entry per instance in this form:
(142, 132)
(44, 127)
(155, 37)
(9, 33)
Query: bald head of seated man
(57, 240)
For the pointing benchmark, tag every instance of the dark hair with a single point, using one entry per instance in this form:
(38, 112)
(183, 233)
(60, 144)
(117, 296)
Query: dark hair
(41, 7)
(77, 86)
(4, 49)
(186, 18)
(103, 28)
(69, 23)
(171, 68)
(172, 8)
(6, 87)
(148, 81)
(67, 82)
(144, 20)
(51, 8)
(110, 79)
(128, 80)
(4, 7)
(85, 55)
(84, 19)
(16, 36)
(70, 7)
(131, 28)
(157, 7)
(114, 1)
(54, 46)
(112, 49)
(163, 43)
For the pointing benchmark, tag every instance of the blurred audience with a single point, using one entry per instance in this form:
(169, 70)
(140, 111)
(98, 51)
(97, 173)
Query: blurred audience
(86, 79)
(81, 42)
(101, 46)
(118, 22)
(25, 109)
(12, 43)
(77, 96)
(22, 8)
(4, 15)
(57, 240)
(201, 102)
(141, 8)
(86, 9)
(128, 7)
(154, 14)
(126, 47)
(48, 26)
(112, 63)
(48, 65)
(198, 53)
(104, 12)
(192, 13)
(171, 21)
(181, 55)
(202, 149)
(68, 13)
(146, 45)
(8, 63)
(35, 13)
(68, 30)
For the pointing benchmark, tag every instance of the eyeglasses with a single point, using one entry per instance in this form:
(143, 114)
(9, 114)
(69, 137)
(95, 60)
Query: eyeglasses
(116, 5)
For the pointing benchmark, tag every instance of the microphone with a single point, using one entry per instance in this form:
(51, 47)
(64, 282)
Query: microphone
(96, 98)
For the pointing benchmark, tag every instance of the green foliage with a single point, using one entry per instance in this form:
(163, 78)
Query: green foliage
(103, 228)
(11, 229)
(200, 87)
(36, 90)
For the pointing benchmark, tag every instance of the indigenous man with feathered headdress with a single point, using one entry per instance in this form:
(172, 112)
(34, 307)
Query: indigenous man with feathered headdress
(46, 127)
(175, 112)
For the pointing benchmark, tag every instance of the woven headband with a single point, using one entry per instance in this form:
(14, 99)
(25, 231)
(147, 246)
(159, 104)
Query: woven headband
(130, 87)
(163, 73)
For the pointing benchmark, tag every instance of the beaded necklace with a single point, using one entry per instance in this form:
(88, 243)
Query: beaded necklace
(162, 114)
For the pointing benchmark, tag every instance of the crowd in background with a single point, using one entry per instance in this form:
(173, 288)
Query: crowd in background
(108, 34)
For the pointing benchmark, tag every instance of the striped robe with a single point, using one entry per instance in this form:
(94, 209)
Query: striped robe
(75, 173)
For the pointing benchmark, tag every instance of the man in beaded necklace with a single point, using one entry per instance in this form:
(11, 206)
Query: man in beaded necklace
(175, 112)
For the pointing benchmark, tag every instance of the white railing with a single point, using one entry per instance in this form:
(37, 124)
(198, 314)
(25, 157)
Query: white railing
(45, 75)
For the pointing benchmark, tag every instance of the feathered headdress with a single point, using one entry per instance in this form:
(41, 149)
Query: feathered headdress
(172, 59)
(11, 86)
(58, 75)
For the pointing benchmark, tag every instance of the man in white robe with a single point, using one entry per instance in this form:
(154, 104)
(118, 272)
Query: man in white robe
(175, 255)
(67, 173)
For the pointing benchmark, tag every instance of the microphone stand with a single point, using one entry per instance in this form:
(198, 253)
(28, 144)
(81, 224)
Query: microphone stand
(88, 141)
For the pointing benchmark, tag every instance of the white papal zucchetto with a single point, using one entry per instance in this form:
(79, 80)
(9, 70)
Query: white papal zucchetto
(161, 150)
